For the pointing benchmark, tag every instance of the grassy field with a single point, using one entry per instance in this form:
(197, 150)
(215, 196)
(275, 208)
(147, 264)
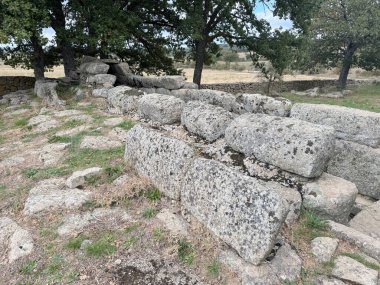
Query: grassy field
(366, 97)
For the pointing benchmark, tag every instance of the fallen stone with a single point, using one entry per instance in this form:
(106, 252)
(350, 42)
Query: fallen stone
(256, 103)
(368, 221)
(108, 218)
(15, 242)
(174, 223)
(293, 145)
(67, 113)
(100, 92)
(78, 178)
(350, 270)
(99, 142)
(47, 91)
(244, 212)
(94, 67)
(330, 197)
(105, 80)
(167, 82)
(190, 85)
(163, 91)
(324, 248)
(164, 160)
(293, 199)
(361, 203)
(359, 164)
(50, 154)
(51, 195)
(39, 119)
(121, 180)
(213, 97)
(45, 126)
(350, 124)
(111, 122)
(163, 109)
(367, 244)
(12, 161)
(205, 120)
(123, 99)
(283, 269)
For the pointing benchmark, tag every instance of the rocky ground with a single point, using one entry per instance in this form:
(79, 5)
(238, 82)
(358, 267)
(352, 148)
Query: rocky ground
(72, 212)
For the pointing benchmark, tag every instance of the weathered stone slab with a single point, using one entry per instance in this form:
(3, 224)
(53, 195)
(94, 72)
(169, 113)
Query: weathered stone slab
(123, 99)
(359, 164)
(167, 82)
(110, 218)
(368, 221)
(160, 108)
(50, 154)
(239, 209)
(361, 203)
(15, 242)
(99, 142)
(205, 120)
(51, 195)
(213, 97)
(284, 268)
(350, 124)
(106, 80)
(78, 178)
(323, 248)
(293, 145)
(256, 103)
(67, 113)
(353, 271)
(164, 160)
(94, 67)
(100, 92)
(111, 122)
(330, 197)
(367, 244)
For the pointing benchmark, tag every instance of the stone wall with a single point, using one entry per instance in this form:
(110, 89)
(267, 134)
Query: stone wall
(260, 87)
(10, 84)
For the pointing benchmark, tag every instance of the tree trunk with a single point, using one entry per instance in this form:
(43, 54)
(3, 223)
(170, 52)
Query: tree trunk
(347, 62)
(38, 58)
(58, 23)
(200, 54)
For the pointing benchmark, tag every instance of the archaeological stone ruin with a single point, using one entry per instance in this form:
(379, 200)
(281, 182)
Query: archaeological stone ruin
(242, 165)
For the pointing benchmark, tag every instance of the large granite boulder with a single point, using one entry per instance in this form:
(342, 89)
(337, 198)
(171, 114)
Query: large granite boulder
(256, 103)
(293, 145)
(164, 160)
(359, 164)
(368, 221)
(213, 97)
(163, 109)
(105, 80)
(350, 124)
(330, 197)
(239, 209)
(123, 99)
(205, 120)
(167, 82)
(93, 67)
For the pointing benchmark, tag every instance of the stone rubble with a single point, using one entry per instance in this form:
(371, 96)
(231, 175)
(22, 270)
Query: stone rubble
(78, 178)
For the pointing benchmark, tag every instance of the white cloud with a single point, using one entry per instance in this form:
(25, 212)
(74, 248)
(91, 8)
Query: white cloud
(275, 21)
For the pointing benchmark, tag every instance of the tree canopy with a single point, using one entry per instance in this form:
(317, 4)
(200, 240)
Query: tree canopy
(346, 33)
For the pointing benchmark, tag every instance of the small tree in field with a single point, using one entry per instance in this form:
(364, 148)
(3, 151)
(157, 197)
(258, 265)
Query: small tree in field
(344, 33)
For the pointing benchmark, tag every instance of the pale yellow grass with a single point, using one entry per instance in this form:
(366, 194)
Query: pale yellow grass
(209, 76)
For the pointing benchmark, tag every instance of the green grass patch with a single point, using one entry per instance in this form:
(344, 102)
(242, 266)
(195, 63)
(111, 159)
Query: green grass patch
(113, 172)
(75, 243)
(153, 195)
(310, 227)
(131, 241)
(72, 124)
(102, 247)
(365, 97)
(131, 229)
(21, 122)
(28, 267)
(158, 234)
(213, 269)
(185, 252)
(126, 125)
(59, 139)
(362, 260)
(149, 213)
(55, 265)
(45, 173)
